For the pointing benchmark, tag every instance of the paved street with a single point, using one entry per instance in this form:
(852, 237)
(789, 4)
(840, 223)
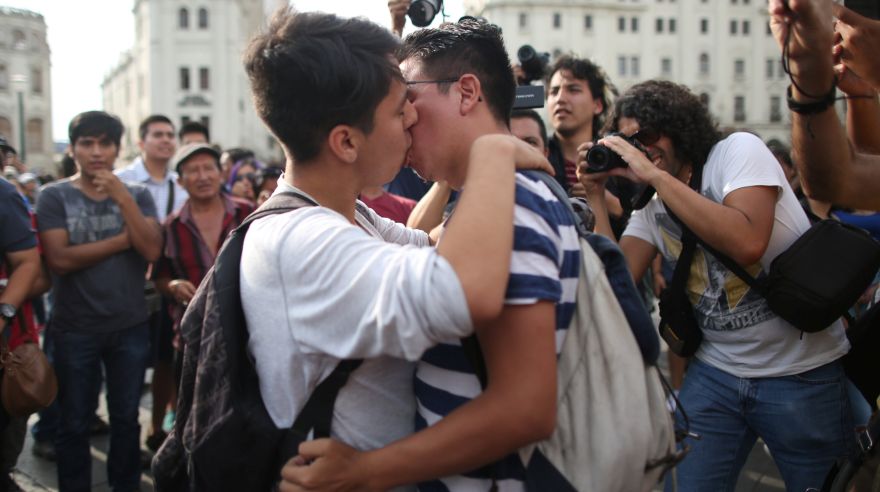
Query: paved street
(37, 475)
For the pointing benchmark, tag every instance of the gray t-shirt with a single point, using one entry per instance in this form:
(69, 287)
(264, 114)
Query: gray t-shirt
(108, 295)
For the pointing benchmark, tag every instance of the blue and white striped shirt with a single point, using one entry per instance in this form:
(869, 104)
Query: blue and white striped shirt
(544, 267)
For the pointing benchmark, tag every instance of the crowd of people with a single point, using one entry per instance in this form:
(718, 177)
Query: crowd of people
(101, 264)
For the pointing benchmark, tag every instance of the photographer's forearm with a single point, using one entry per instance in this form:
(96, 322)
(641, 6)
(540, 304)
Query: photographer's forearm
(597, 203)
(863, 122)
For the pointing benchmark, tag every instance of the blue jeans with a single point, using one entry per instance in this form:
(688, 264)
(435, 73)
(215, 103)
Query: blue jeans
(804, 419)
(78, 358)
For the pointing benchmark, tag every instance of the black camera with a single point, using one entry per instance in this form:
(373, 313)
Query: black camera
(533, 64)
(601, 159)
(422, 12)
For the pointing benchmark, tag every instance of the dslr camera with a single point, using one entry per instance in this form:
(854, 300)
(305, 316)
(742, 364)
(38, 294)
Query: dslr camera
(601, 159)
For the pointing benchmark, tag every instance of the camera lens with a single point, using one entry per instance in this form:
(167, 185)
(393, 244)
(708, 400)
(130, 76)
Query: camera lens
(422, 12)
(598, 158)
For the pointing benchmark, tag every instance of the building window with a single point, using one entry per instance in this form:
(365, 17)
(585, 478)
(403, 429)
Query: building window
(588, 22)
(621, 24)
(704, 99)
(746, 28)
(4, 78)
(666, 67)
(621, 66)
(203, 18)
(634, 66)
(34, 135)
(184, 78)
(523, 20)
(658, 25)
(184, 120)
(204, 79)
(557, 20)
(733, 27)
(739, 108)
(18, 40)
(775, 109)
(206, 122)
(6, 128)
(704, 64)
(672, 25)
(771, 67)
(183, 18)
(739, 68)
(36, 81)
(634, 24)
(704, 26)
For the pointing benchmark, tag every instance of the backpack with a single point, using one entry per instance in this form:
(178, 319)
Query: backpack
(223, 437)
(614, 431)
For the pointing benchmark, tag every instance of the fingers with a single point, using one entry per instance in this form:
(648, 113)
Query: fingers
(846, 15)
(311, 450)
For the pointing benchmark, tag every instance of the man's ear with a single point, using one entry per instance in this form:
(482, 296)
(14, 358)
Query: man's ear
(345, 142)
(598, 107)
(471, 93)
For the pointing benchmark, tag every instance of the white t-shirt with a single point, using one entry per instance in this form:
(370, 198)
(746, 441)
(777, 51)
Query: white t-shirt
(317, 289)
(741, 335)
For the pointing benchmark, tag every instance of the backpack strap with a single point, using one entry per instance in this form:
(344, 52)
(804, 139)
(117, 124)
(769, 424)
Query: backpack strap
(317, 414)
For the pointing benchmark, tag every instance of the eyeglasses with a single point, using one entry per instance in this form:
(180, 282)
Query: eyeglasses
(646, 136)
(441, 81)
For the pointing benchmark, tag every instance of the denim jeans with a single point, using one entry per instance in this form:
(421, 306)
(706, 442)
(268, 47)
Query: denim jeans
(44, 430)
(78, 358)
(804, 419)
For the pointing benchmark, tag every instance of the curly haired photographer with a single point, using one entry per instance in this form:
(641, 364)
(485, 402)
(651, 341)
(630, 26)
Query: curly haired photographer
(753, 373)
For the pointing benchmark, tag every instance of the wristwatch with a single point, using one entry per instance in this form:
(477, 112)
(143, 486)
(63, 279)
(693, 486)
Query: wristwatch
(7, 312)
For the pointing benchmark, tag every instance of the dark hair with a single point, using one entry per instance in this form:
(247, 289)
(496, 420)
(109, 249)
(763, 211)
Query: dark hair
(67, 166)
(95, 124)
(674, 111)
(468, 46)
(600, 86)
(149, 120)
(533, 115)
(780, 151)
(193, 127)
(311, 71)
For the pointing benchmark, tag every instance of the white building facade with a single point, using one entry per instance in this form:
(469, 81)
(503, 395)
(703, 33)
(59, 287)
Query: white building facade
(186, 64)
(25, 89)
(721, 49)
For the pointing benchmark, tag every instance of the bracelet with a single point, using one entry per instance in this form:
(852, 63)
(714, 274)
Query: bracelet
(813, 107)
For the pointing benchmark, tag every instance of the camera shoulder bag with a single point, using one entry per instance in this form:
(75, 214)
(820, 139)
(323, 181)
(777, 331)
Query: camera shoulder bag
(819, 277)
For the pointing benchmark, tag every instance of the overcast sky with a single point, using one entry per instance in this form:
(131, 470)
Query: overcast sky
(87, 36)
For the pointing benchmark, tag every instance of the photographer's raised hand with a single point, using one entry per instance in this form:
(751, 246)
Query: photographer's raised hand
(858, 39)
(639, 168)
(804, 29)
(398, 9)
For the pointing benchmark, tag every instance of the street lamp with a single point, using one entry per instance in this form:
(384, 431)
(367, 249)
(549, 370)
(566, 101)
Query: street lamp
(20, 81)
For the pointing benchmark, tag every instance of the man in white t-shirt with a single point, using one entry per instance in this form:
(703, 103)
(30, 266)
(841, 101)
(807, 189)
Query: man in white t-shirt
(754, 375)
(336, 281)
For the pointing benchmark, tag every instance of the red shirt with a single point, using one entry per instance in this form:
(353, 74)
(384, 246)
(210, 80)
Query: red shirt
(391, 206)
(25, 315)
(185, 254)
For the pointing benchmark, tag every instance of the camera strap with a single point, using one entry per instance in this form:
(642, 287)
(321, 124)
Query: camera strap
(688, 241)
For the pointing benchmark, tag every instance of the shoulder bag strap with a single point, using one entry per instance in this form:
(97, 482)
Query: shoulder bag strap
(169, 207)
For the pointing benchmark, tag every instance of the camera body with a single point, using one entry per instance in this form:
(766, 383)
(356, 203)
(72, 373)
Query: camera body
(602, 159)
(533, 64)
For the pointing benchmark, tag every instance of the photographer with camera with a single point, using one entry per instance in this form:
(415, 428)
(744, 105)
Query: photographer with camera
(754, 374)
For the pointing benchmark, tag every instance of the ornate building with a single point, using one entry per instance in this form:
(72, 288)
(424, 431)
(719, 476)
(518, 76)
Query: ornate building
(721, 49)
(25, 89)
(186, 64)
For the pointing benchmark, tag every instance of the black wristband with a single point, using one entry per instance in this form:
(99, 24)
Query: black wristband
(813, 107)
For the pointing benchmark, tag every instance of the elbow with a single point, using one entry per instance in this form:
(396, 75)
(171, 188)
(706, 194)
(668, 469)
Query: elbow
(152, 254)
(485, 306)
(535, 423)
(58, 267)
(749, 253)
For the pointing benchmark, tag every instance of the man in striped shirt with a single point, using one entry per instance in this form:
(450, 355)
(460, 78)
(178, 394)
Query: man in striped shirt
(460, 81)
